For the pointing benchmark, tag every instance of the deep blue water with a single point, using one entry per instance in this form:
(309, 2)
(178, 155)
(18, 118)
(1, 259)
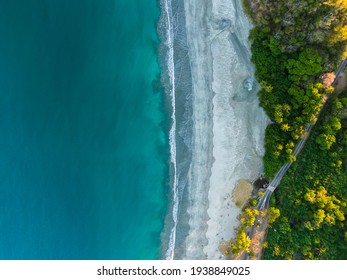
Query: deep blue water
(83, 150)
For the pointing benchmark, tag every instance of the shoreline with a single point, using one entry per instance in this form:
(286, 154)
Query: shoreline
(176, 80)
(210, 87)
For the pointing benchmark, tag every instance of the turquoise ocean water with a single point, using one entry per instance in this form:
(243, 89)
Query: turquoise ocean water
(83, 149)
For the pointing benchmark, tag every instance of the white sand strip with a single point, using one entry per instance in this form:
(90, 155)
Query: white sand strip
(238, 122)
(232, 130)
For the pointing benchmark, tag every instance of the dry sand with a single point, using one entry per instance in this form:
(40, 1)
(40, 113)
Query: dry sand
(229, 133)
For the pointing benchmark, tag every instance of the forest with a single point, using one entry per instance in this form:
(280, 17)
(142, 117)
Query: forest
(296, 47)
(312, 195)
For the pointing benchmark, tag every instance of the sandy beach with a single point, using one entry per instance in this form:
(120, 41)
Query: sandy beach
(228, 124)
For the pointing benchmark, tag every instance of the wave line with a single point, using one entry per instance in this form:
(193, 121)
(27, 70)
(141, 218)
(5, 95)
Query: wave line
(170, 254)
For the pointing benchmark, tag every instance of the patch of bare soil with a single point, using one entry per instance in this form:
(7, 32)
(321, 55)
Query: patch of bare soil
(242, 192)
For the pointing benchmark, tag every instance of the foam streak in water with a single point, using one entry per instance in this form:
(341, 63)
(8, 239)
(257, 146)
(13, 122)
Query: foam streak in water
(171, 69)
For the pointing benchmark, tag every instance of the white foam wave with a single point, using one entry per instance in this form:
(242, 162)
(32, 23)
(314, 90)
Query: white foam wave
(172, 137)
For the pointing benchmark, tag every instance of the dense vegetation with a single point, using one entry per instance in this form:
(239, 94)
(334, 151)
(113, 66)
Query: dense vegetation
(296, 46)
(312, 195)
